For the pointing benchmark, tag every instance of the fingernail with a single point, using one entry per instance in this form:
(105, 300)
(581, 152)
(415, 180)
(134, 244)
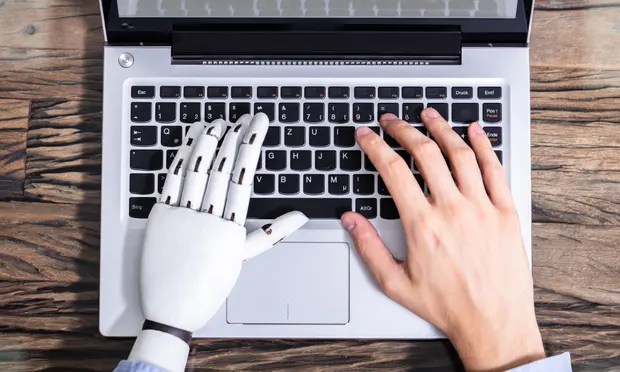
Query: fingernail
(431, 113)
(388, 116)
(363, 131)
(348, 223)
(477, 128)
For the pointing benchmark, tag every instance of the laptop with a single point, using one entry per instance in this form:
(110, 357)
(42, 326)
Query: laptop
(318, 69)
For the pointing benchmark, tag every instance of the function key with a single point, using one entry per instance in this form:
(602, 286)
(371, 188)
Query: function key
(170, 92)
(141, 207)
(388, 92)
(489, 92)
(365, 92)
(338, 92)
(217, 92)
(142, 92)
(241, 92)
(462, 92)
(314, 92)
(141, 112)
(194, 92)
(494, 134)
(436, 92)
(413, 92)
(291, 92)
(267, 92)
(492, 112)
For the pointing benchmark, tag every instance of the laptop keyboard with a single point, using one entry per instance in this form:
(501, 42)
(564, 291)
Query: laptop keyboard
(310, 161)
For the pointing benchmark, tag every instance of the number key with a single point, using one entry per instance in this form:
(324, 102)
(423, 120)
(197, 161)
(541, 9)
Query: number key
(190, 112)
(237, 110)
(314, 112)
(289, 112)
(215, 111)
(165, 112)
(363, 113)
(338, 113)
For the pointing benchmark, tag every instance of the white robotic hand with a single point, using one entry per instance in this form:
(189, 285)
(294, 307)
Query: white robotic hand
(195, 241)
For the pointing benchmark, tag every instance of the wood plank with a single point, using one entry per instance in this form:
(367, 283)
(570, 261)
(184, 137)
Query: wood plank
(13, 127)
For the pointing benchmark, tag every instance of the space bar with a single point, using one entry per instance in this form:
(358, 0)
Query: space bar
(269, 209)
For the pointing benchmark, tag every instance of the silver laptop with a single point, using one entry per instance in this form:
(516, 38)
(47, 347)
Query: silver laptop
(318, 69)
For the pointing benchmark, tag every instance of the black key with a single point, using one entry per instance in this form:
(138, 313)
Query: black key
(377, 130)
(237, 110)
(142, 184)
(492, 112)
(319, 136)
(143, 136)
(171, 136)
(464, 113)
(436, 92)
(494, 135)
(301, 160)
(314, 112)
(412, 112)
(142, 92)
(413, 92)
(314, 184)
(215, 111)
(141, 207)
(194, 92)
(406, 156)
(165, 112)
(170, 92)
(344, 136)
(289, 112)
(290, 92)
(190, 112)
(161, 179)
(146, 159)
(273, 137)
(368, 165)
(338, 113)
(170, 155)
(294, 136)
(381, 187)
(384, 108)
(363, 113)
(499, 156)
(350, 160)
(217, 92)
(391, 141)
(314, 92)
(317, 208)
(325, 160)
(338, 184)
(275, 160)
(462, 92)
(259, 165)
(141, 112)
(267, 92)
(365, 92)
(268, 109)
(442, 109)
(462, 131)
(338, 92)
(489, 92)
(388, 92)
(264, 184)
(364, 184)
(288, 184)
(388, 209)
(241, 92)
(366, 207)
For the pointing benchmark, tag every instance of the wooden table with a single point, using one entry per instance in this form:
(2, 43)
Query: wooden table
(50, 156)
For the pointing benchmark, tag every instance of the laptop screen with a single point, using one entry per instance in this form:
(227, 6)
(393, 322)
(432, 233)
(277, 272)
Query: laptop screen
(473, 9)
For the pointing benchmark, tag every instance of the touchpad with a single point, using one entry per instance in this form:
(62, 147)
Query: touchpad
(293, 283)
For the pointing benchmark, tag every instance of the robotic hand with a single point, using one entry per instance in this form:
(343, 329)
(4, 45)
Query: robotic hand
(195, 242)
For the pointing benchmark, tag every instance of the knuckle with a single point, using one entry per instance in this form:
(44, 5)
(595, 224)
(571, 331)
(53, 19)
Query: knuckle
(396, 164)
(427, 148)
(463, 154)
(389, 284)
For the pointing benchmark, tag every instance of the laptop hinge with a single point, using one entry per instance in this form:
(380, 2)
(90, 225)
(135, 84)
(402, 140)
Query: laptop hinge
(206, 47)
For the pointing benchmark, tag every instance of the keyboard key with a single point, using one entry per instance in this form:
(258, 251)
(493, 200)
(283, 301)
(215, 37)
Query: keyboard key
(350, 160)
(290, 92)
(314, 112)
(492, 112)
(273, 137)
(275, 160)
(161, 179)
(170, 92)
(489, 92)
(142, 183)
(388, 209)
(338, 92)
(143, 136)
(141, 112)
(314, 92)
(412, 112)
(294, 136)
(267, 92)
(366, 207)
(146, 160)
(406, 156)
(171, 136)
(413, 92)
(364, 184)
(264, 184)
(217, 92)
(338, 113)
(170, 155)
(301, 160)
(365, 92)
(142, 92)
(494, 135)
(289, 112)
(381, 187)
(268, 109)
(442, 109)
(288, 184)
(368, 165)
(499, 156)
(324, 208)
(314, 184)
(363, 113)
(325, 160)
(193, 92)
(141, 207)
(391, 141)
(319, 136)
(464, 113)
(436, 92)
(384, 108)
(190, 112)
(241, 92)
(462, 132)
(462, 92)
(338, 184)
(237, 110)
(165, 112)
(388, 92)
(215, 111)
(344, 136)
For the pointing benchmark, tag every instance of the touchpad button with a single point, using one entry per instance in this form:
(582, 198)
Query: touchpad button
(293, 283)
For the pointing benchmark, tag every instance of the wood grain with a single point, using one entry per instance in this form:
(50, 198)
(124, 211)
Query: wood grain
(13, 126)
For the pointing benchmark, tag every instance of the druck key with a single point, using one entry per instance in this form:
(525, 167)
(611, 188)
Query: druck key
(271, 208)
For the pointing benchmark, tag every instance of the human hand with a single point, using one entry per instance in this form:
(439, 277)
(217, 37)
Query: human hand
(466, 269)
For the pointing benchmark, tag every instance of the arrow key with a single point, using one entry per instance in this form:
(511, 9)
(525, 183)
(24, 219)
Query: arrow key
(143, 136)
